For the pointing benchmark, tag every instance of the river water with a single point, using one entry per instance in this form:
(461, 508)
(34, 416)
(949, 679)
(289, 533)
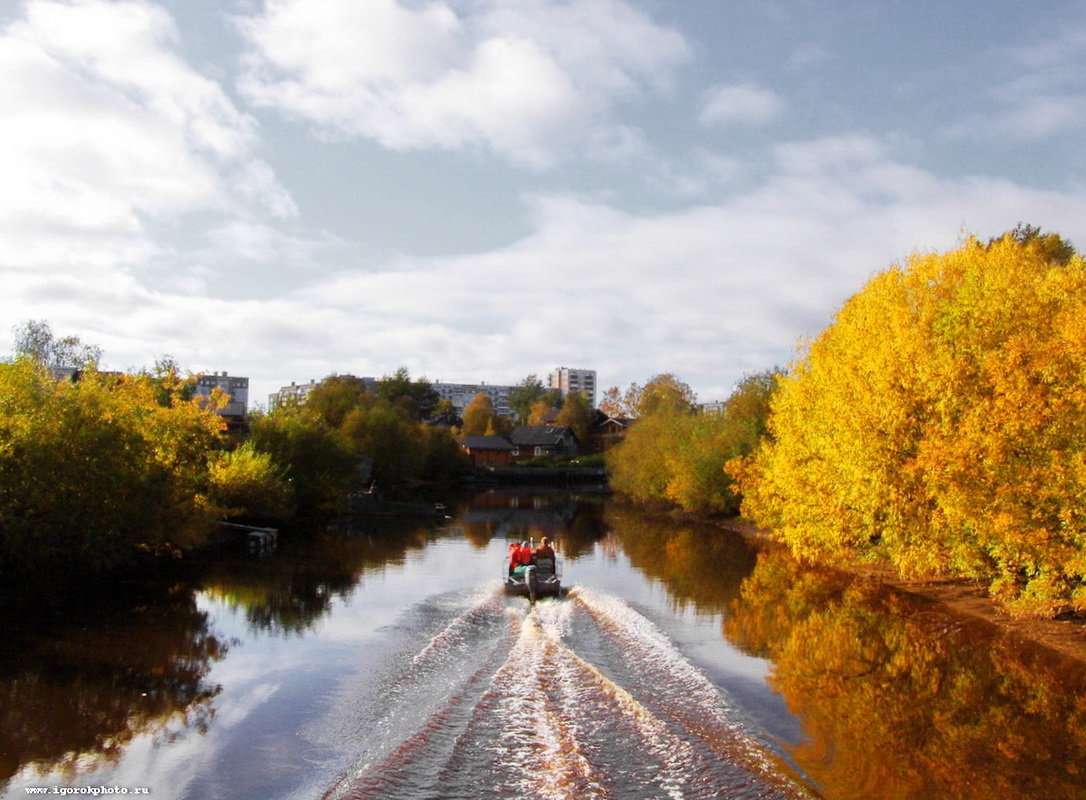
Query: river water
(377, 662)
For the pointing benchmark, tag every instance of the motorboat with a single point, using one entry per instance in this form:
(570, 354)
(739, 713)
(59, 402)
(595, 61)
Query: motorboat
(542, 578)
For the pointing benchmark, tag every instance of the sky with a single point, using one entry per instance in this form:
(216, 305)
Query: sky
(479, 190)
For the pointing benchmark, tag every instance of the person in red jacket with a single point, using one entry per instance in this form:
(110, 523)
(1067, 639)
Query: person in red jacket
(520, 555)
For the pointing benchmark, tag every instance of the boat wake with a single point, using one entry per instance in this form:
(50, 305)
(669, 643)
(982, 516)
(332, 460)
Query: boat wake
(575, 698)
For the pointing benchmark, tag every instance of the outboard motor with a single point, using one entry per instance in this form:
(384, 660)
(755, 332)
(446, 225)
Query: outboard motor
(531, 582)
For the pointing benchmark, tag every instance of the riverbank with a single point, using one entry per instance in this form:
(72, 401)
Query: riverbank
(962, 597)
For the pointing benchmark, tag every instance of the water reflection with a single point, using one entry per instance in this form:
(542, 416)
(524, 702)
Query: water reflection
(699, 563)
(81, 680)
(900, 700)
(287, 591)
(517, 514)
(75, 691)
(897, 698)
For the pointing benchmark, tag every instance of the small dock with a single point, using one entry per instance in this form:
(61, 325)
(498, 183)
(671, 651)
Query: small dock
(257, 538)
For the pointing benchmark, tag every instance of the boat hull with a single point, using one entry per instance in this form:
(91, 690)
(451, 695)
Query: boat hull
(541, 589)
(533, 584)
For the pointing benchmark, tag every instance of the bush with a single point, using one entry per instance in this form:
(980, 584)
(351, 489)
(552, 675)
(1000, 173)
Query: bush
(244, 482)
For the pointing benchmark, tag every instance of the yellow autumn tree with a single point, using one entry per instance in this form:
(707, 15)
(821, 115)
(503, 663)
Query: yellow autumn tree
(478, 415)
(939, 425)
(98, 471)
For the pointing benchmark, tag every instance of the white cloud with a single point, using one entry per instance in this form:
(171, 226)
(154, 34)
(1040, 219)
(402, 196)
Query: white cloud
(114, 151)
(709, 292)
(530, 80)
(1047, 98)
(741, 104)
(106, 128)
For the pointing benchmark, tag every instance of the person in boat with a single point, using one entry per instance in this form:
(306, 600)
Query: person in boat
(544, 550)
(520, 555)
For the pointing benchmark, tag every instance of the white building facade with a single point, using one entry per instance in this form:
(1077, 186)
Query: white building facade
(461, 394)
(296, 392)
(567, 380)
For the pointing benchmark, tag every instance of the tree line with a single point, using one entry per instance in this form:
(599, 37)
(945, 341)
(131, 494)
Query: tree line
(937, 428)
(98, 469)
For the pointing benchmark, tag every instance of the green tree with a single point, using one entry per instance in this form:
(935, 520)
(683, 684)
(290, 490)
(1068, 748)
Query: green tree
(418, 399)
(314, 459)
(442, 459)
(672, 455)
(335, 397)
(446, 415)
(172, 384)
(747, 409)
(576, 413)
(526, 394)
(245, 482)
(378, 430)
(665, 394)
(95, 472)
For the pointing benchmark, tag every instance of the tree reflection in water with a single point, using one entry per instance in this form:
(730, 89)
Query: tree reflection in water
(117, 665)
(900, 700)
(77, 685)
(287, 591)
(699, 563)
(520, 513)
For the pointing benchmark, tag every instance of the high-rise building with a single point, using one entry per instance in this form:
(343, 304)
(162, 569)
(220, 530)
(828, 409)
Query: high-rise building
(296, 392)
(566, 380)
(237, 388)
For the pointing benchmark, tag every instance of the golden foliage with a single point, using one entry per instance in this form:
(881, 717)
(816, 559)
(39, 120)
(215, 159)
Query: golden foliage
(478, 415)
(97, 470)
(939, 425)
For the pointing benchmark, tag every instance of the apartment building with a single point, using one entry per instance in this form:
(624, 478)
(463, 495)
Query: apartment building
(297, 392)
(461, 394)
(237, 388)
(567, 380)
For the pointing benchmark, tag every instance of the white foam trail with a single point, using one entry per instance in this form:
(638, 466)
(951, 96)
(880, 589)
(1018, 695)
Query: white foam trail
(679, 689)
(535, 719)
(548, 689)
(374, 779)
(483, 604)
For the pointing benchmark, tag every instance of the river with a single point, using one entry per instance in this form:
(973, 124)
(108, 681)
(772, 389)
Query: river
(381, 662)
